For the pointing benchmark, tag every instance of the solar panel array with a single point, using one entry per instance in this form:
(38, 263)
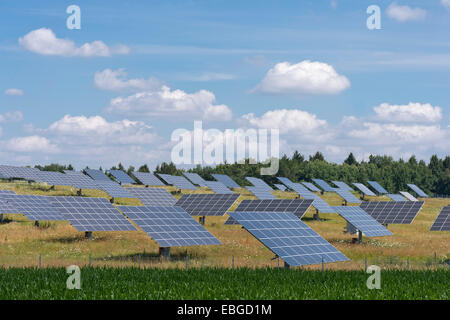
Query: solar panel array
(91, 214)
(54, 178)
(366, 191)
(195, 178)
(97, 175)
(19, 172)
(207, 204)
(377, 187)
(218, 187)
(286, 181)
(258, 183)
(226, 180)
(347, 195)
(325, 186)
(281, 187)
(153, 197)
(122, 177)
(417, 190)
(169, 226)
(390, 212)
(396, 197)
(114, 189)
(79, 180)
(7, 207)
(318, 202)
(408, 196)
(148, 179)
(442, 222)
(178, 181)
(288, 237)
(36, 208)
(7, 192)
(261, 193)
(362, 221)
(342, 185)
(310, 186)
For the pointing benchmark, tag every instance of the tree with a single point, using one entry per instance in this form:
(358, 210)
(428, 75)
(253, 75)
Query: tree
(351, 160)
(144, 168)
(318, 156)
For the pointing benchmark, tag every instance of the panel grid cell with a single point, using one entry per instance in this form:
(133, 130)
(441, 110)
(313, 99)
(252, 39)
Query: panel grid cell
(153, 197)
(35, 208)
(396, 197)
(391, 212)
(207, 204)
(442, 222)
(362, 221)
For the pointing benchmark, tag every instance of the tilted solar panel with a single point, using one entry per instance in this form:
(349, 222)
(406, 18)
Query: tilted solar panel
(396, 197)
(35, 208)
(318, 202)
(285, 181)
(19, 172)
(377, 187)
(153, 197)
(310, 186)
(417, 190)
(218, 187)
(54, 178)
(288, 237)
(7, 207)
(148, 179)
(366, 191)
(261, 193)
(178, 181)
(391, 212)
(97, 175)
(226, 180)
(114, 189)
(362, 221)
(169, 226)
(281, 187)
(7, 192)
(258, 183)
(348, 196)
(442, 222)
(207, 204)
(408, 196)
(122, 177)
(79, 180)
(325, 186)
(342, 185)
(195, 178)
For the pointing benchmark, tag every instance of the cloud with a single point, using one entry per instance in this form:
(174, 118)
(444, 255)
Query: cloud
(15, 116)
(14, 92)
(446, 3)
(412, 112)
(172, 104)
(43, 41)
(405, 13)
(305, 77)
(208, 76)
(30, 144)
(114, 80)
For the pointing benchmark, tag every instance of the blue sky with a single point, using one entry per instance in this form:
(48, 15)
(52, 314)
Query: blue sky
(377, 91)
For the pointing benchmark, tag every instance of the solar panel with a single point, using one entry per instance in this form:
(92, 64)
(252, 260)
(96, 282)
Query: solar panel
(122, 177)
(148, 179)
(79, 180)
(153, 197)
(226, 180)
(288, 237)
(377, 187)
(19, 172)
(207, 204)
(218, 187)
(258, 183)
(366, 191)
(97, 175)
(195, 178)
(325, 186)
(348, 196)
(53, 178)
(310, 186)
(391, 212)
(280, 186)
(35, 208)
(285, 181)
(7, 207)
(7, 192)
(91, 214)
(318, 202)
(169, 226)
(178, 181)
(442, 222)
(417, 190)
(261, 193)
(114, 189)
(362, 221)
(408, 196)
(342, 185)
(396, 197)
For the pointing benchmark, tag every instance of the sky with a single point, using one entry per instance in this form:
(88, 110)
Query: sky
(117, 88)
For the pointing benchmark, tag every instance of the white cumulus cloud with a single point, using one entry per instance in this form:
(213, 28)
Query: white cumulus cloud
(33, 143)
(14, 116)
(115, 80)
(14, 92)
(412, 112)
(405, 13)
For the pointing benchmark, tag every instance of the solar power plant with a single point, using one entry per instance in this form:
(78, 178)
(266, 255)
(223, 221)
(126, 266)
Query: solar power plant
(281, 187)
(396, 197)
(342, 185)
(169, 226)
(348, 196)
(288, 237)
(148, 179)
(153, 197)
(258, 183)
(318, 202)
(391, 212)
(377, 187)
(122, 177)
(362, 221)
(285, 181)
(195, 178)
(442, 222)
(177, 181)
(417, 190)
(325, 186)
(114, 189)
(91, 214)
(226, 180)
(35, 208)
(218, 187)
(54, 178)
(79, 180)
(408, 196)
(19, 172)
(296, 206)
(261, 193)
(207, 204)
(97, 175)
(310, 186)
(365, 191)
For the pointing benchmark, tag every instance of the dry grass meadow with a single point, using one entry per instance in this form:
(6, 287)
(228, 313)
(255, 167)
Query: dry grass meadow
(59, 244)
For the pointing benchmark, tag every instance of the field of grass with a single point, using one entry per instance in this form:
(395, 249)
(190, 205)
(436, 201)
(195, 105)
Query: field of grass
(60, 245)
(212, 283)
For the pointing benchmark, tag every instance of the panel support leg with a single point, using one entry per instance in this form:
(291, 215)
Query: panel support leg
(88, 234)
(164, 252)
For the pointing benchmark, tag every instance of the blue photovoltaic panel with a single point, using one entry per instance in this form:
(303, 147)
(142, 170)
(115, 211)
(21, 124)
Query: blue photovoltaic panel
(195, 179)
(207, 204)
(325, 186)
(377, 187)
(7, 192)
(97, 175)
(392, 212)
(417, 190)
(19, 172)
(122, 177)
(348, 196)
(169, 226)
(396, 197)
(288, 237)
(408, 196)
(7, 207)
(442, 222)
(285, 181)
(281, 187)
(91, 214)
(35, 208)
(261, 193)
(318, 202)
(114, 189)
(296, 206)
(258, 183)
(54, 178)
(148, 179)
(218, 187)
(79, 180)
(366, 191)
(177, 181)
(153, 197)
(342, 185)
(226, 180)
(310, 186)
(362, 221)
